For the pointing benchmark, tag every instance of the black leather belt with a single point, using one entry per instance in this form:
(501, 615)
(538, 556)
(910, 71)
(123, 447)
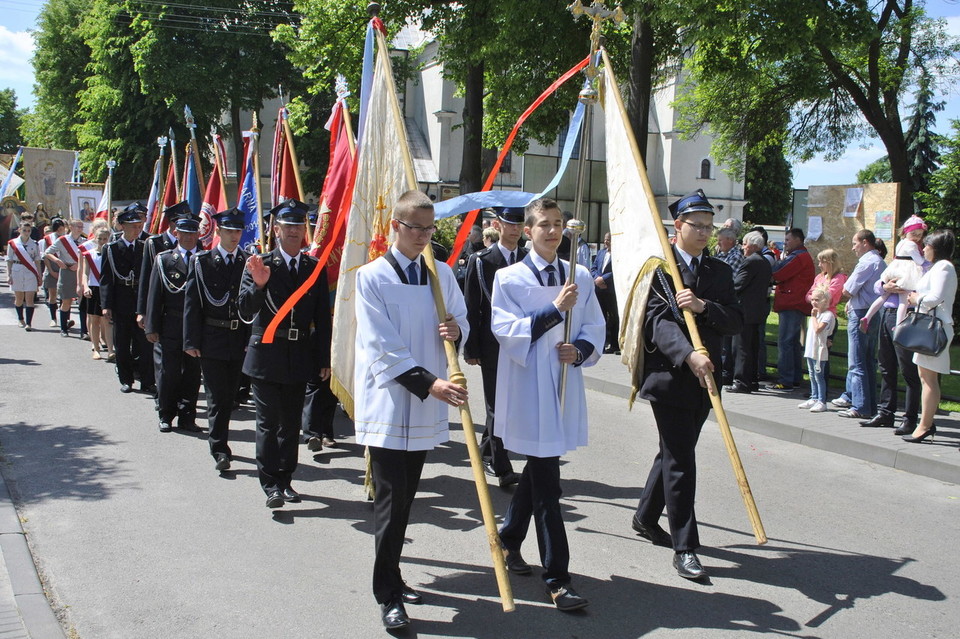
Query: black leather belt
(230, 324)
(292, 334)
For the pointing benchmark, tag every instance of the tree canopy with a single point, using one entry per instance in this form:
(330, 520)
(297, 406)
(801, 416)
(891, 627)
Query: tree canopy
(10, 117)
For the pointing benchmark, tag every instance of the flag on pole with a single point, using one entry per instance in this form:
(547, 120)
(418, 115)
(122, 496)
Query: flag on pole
(170, 197)
(12, 181)
(381, 177)
(215, 198)
(633, 219)
(155, 185)
(103, 209)
(335, 196)
(283, 177)
(192, 182)
(247, 197)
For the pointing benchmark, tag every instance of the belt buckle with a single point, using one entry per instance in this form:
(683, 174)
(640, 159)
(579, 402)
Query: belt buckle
(234, 324)
(293, 334)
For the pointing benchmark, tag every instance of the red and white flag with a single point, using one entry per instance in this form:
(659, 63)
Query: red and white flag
(103, 210)
(215, 198)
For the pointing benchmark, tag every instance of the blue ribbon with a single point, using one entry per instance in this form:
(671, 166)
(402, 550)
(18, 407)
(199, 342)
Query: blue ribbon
(13, 165)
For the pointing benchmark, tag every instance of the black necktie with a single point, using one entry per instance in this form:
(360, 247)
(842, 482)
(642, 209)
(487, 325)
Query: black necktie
(293, 268)
(229, 259)
(694, 263)
(513, 257)
(186, 257)
(413, 277)
(551, 280)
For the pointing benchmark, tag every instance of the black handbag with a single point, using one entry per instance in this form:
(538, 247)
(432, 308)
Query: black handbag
(921, 333)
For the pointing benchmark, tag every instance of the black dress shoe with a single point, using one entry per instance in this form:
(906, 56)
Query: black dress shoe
(165, 427)
(688, 565)
(223, 462)
(879, 420)
(149, 390)
(907, 426)
(488, 469)
(737, 387)
(125, 388)
(566, 598)
(314, 443)
(289, 494)
(508, 479)
(515, 562)
(410, 596)
(393, 614)
(274, 499)
(653, 532)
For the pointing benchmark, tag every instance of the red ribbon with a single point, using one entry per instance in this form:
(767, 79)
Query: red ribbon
(472, 215)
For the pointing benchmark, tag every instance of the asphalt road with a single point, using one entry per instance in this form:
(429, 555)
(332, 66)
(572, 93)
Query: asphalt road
(136, 535)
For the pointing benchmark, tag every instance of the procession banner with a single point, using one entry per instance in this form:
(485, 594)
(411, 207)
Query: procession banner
(46, 173)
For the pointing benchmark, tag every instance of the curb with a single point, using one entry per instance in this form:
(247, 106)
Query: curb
(29, 597)
(942, 464)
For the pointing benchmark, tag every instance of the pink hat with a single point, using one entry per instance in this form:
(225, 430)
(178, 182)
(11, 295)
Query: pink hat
(913, 224)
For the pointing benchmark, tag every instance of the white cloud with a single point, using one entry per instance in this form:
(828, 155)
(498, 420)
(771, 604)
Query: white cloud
(16, 72)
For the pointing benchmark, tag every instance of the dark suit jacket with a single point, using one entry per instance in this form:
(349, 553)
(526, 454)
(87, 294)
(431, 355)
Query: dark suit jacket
(117, 295)
(751, 282)
(164, 309)
(477, 290)
(219, 280)
(597, 269)
(286, 361)
(666, 377)
(152, 247)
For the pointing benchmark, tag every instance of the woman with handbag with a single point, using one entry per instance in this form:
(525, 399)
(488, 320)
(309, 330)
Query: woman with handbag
(935, 294)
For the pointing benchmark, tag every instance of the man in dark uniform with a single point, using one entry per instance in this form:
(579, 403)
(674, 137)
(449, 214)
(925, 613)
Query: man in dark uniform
(212, 330)
(178, 376)
(602, 272)
(119, 282)
(674, 378)
(156, 244)
(482, 346)
(279, 371)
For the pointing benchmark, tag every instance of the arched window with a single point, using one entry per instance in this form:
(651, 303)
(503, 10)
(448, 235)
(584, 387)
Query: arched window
(705, 170)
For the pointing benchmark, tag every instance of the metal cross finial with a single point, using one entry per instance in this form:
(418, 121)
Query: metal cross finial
(598, 12)
(341, 87)
(162, 142)
(188, 115)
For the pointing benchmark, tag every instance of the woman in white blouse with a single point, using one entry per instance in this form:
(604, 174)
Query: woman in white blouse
(935, 293)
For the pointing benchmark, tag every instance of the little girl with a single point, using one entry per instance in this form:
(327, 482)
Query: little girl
(906, 268)
(819, 328)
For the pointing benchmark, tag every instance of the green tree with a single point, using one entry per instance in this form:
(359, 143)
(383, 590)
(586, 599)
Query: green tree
(922, 142)
(941, 205)
(59, 65)
(768, 187)
(877, 172)
(10, 119)
(826, 67)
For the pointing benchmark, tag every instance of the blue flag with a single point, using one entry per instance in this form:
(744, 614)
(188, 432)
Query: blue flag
(247, 199)
(192, 191)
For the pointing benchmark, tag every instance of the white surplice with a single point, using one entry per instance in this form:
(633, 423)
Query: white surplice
(528, 373)
(396, 331)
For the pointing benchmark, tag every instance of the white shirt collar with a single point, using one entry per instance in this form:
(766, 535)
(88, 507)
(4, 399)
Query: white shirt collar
(224, 253)
(541, 263)
(506, 252)
(287, 258)
(686, 256)
(402, 260)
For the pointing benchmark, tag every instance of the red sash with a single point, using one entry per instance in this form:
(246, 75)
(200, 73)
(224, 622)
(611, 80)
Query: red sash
(69, 245)
(93, 264)
(26, 261)
(50, 238)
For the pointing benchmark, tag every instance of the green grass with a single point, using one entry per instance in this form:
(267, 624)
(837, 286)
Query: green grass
(949, 384)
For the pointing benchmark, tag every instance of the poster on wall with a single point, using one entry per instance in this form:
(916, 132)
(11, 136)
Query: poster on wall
(883, 228)
(852, 199)
(84, 198)
(814, 227)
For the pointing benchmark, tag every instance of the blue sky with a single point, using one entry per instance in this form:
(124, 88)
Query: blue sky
(16, 47)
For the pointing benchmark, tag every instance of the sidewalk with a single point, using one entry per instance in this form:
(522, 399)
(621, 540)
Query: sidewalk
(775, 414)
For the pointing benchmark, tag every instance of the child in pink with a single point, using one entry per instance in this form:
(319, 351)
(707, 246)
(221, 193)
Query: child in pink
(906, 268)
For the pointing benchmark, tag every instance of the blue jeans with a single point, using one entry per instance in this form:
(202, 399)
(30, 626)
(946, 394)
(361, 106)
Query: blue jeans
(818, 381)
(790, 357)
(862, 363)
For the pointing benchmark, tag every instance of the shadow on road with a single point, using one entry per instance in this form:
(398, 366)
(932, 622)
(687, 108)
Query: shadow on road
(69, 468)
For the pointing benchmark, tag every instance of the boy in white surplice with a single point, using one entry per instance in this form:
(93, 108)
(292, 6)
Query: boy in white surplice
(529, 299)
(401, 399)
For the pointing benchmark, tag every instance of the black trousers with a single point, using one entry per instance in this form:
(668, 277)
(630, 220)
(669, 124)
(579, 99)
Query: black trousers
(178, 382)
(608, 306)
(278, 431)
(396, 475)
(130, 342)
(890, 358)
(537, 496)
(319, 408)
(491, 446)
(672, 482)
(728, 359)
(220, 379)
(745, 346)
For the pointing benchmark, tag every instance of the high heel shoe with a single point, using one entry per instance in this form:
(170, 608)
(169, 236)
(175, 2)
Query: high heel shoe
(916, 440)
